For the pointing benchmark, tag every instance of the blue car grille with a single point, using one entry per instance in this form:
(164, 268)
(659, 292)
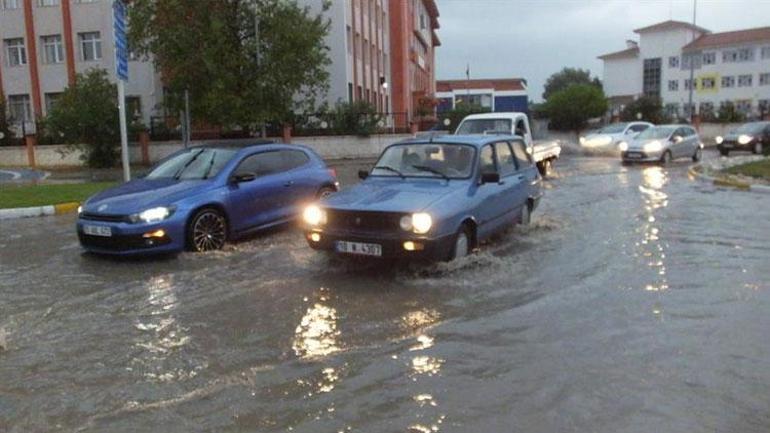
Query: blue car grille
(362, 220)
(105, 218)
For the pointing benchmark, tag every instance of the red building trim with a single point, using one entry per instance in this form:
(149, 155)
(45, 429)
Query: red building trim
(69, 46)
(34, 76)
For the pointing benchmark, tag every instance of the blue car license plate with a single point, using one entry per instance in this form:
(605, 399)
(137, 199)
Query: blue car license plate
(360, 248)
(103, 231)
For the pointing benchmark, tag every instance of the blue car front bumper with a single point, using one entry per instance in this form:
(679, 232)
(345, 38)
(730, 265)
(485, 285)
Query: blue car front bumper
(391, 245)
(124, 238)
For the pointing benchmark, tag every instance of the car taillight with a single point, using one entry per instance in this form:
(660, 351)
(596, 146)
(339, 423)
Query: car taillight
(333, 172)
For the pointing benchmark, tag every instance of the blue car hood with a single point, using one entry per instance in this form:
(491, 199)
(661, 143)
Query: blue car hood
(393, 194)
(141, 194)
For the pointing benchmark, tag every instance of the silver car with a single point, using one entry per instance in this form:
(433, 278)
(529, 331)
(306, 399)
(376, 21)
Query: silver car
(662, 144)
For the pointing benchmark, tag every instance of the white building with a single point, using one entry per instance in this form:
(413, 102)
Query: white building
(728, 66)
(46, 42)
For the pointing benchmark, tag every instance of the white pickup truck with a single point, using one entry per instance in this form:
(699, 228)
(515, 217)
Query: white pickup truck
(544, 152)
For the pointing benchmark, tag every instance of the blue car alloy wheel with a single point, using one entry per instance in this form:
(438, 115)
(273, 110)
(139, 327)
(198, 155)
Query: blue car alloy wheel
(208, 231)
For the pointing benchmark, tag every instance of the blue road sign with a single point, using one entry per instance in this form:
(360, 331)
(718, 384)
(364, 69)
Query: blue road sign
(121, 44)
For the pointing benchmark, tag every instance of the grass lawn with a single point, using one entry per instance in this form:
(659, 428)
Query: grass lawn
(760, 169)
(40, 195)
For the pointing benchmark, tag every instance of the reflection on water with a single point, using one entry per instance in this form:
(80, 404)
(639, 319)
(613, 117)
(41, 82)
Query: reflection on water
(651, 247)
(161, 333)
(317, 333)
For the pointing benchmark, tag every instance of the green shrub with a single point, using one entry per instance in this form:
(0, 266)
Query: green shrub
(357, 118)
(650, 108)
(4, 130)
(570, 109)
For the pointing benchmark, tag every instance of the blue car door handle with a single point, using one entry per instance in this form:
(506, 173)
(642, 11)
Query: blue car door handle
(289, 183)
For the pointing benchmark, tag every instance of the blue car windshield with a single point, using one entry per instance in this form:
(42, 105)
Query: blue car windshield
(453, 161)
(200, 163)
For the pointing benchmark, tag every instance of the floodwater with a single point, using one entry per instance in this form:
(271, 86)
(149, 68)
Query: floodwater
(638, 301)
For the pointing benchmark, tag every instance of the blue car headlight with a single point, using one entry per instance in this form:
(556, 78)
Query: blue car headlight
(153, 215)
(419, 223)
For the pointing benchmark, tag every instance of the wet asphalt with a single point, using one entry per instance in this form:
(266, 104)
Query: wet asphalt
(638, 301)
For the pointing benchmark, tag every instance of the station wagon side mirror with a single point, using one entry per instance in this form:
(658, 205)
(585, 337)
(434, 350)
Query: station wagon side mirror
(363, 174)
(490, 178)
(243, 177)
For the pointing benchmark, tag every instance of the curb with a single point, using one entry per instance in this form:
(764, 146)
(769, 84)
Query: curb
(38, 211)
(694, 173)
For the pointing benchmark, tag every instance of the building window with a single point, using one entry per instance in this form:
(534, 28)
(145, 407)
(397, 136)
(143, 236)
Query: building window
(422, 22)
(19, 108)
(709, 58)
(651, 77)
(50, 101)
(90, 46)
(707, 83)
(350, 92)
(86, 1)
(673, 62)
(687, 84)
(738, 55)
(763, 105)
(694, 59)
(728, 81)
(764, 79)
(44, 3)
(134, 107)
(350, 40)
(673, 85)
(17, 54)
(744, 80)
(53, 50)
(743, 106)
(766, 52)
(11, 4)
(672, 110)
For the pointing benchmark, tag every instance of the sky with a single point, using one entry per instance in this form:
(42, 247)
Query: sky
(533, 39)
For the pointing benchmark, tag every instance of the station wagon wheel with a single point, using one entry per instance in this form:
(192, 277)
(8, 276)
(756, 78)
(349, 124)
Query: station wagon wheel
(462, 245)
(666, 158)
(207, 231)
(698, 154)
(758, 148)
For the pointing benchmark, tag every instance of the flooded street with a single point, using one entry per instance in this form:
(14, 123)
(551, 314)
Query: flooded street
(638, 301)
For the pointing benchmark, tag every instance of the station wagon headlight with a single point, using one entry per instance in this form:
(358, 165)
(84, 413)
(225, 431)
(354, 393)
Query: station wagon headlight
(745, 139)
(653, 146)
(153, 215)
(421, 223)
(314, 215)
(623, 146)
(719, 139)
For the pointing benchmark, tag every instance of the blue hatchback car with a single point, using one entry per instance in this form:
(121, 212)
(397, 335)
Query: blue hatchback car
(436, 199)
(200, 197)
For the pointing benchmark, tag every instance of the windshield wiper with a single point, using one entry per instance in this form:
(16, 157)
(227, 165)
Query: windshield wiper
(178, 174)
(388, 168)
(430, 169)
(211, 164)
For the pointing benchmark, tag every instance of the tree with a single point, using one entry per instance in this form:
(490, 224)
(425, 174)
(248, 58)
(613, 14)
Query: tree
(567, 77)
(650, 108)
(5, 132)
(86, 117)
(728, 113)
(236, 75)
(570, 109)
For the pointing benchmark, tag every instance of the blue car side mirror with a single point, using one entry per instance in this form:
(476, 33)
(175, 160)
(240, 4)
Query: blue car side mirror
(363, 174)
(243, 177)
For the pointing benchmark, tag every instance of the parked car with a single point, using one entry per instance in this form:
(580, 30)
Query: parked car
(753, 136)
(199, 198)
(430, 198)
(544, 152)
(611, 135)
(662, 144)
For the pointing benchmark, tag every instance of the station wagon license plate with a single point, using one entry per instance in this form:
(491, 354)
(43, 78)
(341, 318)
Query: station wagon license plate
(103, 231)
(633, 155)
(360, 248)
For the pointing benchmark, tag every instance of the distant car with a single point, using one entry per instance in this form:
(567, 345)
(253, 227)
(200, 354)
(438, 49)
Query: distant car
(662, 144)
(611, 135)
(434, 199)
(199, 198)
(753, 136)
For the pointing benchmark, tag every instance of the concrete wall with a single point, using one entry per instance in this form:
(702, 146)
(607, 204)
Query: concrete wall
(332, 147)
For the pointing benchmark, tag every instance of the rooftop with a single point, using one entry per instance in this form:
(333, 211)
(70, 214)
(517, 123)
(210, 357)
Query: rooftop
(628, 52)
(729, 38)
(492, 83)
(670, 25)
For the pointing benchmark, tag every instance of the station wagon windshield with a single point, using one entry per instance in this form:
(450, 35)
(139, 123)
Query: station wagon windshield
(193, 164)
(452, 161)
(480, 126)
(656, 132)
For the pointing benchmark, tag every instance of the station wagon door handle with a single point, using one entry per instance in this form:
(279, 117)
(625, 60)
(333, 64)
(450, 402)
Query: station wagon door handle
(289, 183)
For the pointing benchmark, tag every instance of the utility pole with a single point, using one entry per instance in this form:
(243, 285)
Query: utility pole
(692, 64)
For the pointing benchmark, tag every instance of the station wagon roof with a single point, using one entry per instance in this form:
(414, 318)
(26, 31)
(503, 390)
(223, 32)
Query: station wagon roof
(476, 140)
